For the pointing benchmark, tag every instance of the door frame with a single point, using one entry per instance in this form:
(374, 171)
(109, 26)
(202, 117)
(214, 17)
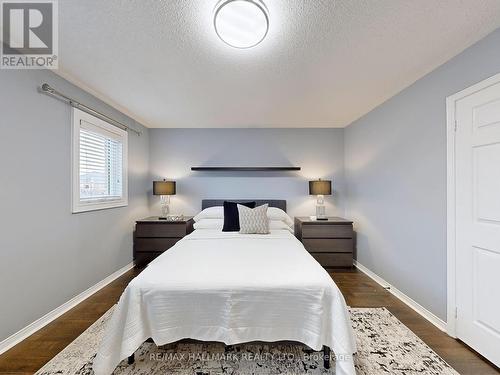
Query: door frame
(451, 127)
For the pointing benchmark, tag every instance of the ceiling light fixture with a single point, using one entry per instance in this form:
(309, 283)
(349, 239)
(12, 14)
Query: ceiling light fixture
(241, 23)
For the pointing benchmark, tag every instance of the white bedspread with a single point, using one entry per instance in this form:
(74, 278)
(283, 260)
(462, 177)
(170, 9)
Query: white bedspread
(232, 288)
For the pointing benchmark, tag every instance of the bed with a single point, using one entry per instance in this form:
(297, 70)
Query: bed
(231, 288)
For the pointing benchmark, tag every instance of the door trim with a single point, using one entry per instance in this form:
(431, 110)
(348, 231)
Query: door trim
(451, 197)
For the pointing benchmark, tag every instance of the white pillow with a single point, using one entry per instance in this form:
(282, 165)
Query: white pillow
(253, 220)
(209, 224)
(219, 223)
(279, 225)
(274, 213)
(216, 212)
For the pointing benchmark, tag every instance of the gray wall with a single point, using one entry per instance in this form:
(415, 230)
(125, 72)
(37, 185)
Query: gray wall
(47, 254)
(395, 164)
(395, 167)
(320, 153)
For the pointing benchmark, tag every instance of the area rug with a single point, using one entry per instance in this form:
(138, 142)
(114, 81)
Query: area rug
(385, 346)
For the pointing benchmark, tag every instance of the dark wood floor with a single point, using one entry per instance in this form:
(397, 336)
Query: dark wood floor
(359, 291)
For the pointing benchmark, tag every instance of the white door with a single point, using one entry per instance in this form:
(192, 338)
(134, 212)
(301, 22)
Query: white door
(477, 151)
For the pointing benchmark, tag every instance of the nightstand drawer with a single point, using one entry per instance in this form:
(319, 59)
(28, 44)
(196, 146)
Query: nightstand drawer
(328, 245)
(160, 230)
(327, 231)
(149, 245)
(330, 260)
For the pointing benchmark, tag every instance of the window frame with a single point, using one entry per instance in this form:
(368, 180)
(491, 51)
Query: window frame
(76, 204)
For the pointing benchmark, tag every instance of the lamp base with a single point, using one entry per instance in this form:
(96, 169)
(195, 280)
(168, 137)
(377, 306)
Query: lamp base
(320, 209)
(165, 207)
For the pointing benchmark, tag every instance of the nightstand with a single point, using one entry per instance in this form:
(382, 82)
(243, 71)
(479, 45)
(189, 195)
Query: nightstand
(330, 242)
(153, 236)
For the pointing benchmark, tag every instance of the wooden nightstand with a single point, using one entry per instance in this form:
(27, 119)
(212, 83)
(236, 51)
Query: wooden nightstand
(153, 236)
(330, 241)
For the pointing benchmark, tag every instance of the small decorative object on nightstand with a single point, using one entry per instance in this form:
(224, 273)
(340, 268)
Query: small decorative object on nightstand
(330, 241)
(153, 236)
(320, 188)
(164, 189)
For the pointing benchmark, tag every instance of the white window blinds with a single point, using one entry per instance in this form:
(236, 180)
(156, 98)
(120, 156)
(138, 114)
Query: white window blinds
(100, 167)
(99, 164)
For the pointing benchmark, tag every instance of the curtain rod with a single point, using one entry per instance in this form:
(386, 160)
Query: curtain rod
(47, 89)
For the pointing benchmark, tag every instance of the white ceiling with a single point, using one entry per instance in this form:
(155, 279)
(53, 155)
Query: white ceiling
(324, 63)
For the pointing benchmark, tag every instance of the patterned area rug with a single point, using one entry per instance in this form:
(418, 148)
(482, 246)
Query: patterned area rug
(385, 346)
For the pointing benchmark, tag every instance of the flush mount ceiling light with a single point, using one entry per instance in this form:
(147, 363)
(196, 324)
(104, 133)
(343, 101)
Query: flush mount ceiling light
(241, 23)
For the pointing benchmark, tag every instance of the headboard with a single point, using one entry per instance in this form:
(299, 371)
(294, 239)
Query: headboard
(205, 203)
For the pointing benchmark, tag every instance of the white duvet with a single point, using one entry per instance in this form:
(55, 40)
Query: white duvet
(232, 288)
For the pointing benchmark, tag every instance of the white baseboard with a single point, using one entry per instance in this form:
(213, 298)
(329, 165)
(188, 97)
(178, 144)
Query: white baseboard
(439, 323)
(371, 275)
(27, 331)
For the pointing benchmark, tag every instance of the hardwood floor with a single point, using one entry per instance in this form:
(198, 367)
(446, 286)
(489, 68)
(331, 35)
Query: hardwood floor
(361, 291)
(31, 354)
(358, 289)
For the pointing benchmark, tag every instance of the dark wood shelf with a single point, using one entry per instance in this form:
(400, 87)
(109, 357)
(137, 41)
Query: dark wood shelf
(247, 169)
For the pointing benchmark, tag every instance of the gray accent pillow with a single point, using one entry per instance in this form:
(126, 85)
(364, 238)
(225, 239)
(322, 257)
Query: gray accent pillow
(253, 220)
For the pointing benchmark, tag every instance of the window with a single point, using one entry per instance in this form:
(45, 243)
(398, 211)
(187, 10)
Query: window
(99, 164)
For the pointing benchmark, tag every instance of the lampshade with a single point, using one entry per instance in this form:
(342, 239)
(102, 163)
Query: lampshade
(163, 187)
(320, 187)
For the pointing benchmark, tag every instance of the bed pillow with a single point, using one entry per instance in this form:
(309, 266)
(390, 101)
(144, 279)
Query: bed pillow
(274, 213)
(279, 225)
(219, 223)
(216, 212)
(231, 217)
(253, 220)
(209, 224)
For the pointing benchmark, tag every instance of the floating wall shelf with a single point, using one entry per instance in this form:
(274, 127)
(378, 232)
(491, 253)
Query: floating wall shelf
(246, 169)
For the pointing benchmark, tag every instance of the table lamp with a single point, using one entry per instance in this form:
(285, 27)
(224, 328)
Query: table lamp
(164, 189)
(320, 188)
